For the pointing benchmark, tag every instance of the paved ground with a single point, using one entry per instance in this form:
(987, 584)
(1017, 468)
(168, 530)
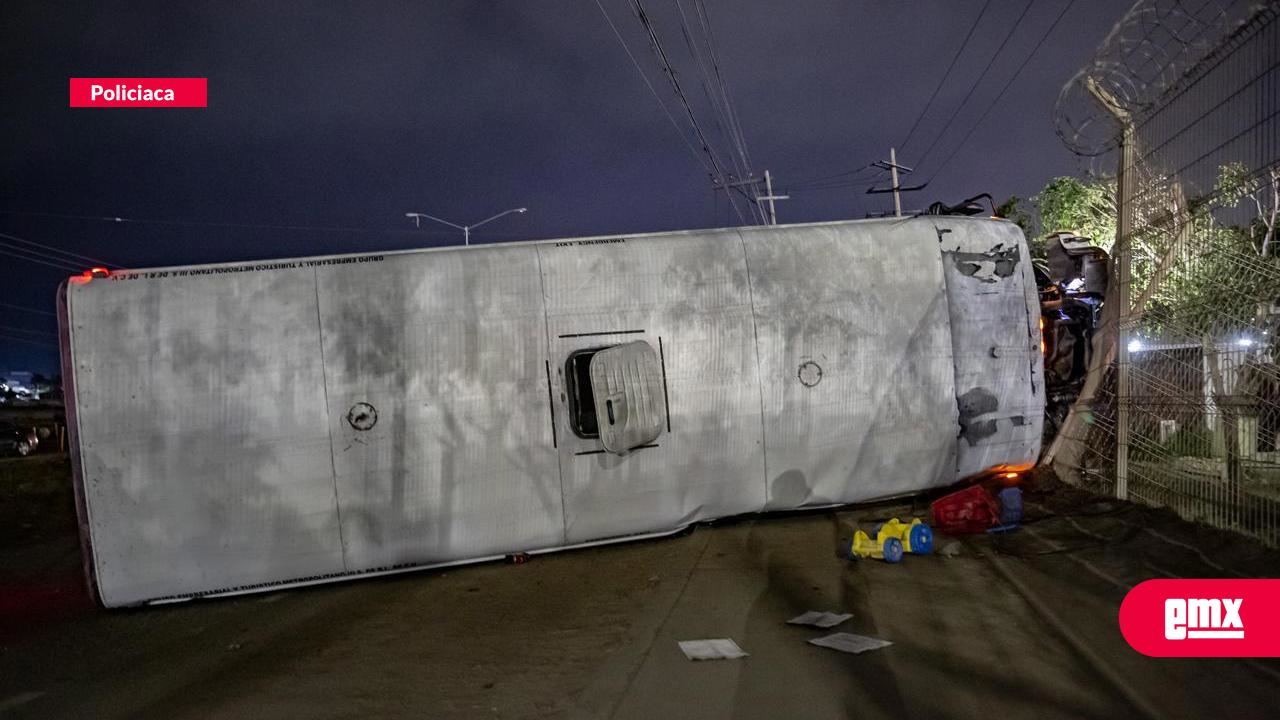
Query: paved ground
(1015, 626)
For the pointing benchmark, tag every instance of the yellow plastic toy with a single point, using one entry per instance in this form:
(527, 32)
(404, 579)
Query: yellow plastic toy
(888, 549)
(916, 536)
(892, 540)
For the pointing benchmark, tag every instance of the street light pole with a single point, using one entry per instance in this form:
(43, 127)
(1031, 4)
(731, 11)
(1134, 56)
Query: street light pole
(466, 229)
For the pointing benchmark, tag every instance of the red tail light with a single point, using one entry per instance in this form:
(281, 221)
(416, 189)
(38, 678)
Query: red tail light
(87, 275)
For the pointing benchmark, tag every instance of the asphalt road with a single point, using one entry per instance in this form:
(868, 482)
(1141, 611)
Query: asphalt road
(1015, 626)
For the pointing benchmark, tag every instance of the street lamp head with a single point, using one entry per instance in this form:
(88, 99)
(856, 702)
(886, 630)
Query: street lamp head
(466, 229)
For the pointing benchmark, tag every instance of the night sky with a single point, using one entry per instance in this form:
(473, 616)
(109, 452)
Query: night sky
(331, 122)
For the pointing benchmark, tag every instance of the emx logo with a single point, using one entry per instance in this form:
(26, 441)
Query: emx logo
(1203, 618)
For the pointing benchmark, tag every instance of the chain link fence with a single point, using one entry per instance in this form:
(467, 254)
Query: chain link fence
(1181, 408)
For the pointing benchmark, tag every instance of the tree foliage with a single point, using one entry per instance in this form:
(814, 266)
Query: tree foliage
(1015, 210)
(1236, 184)
(1085, 207)
(1209, 275)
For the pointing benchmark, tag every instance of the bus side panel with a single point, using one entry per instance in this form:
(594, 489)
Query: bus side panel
(201, 419)
(439, 406)
(688, 297)
(855, 355)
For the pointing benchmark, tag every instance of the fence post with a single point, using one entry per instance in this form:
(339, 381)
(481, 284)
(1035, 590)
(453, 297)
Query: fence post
(1125, 179)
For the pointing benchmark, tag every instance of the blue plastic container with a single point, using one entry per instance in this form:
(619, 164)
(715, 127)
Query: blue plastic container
(1010, 506)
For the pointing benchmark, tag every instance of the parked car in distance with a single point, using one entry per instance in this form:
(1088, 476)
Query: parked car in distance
(17, 441)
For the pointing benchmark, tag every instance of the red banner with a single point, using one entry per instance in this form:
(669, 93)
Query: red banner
(139, 92)
(1203, 618)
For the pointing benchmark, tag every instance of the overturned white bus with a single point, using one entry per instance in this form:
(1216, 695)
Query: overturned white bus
(245, 427)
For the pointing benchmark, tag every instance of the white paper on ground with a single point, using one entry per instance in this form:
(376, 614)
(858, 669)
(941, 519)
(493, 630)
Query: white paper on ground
(819, 619)
(850, 643)
(717, 649)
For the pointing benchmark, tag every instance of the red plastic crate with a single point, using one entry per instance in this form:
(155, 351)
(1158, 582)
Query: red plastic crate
(971, 510)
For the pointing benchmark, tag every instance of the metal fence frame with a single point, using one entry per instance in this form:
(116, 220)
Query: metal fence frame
(1181, 407)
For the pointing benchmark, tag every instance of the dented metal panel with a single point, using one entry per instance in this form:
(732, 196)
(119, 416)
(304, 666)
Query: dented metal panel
(995, 329)
(449, 348)
(686, 294)
(627, 383)
(249, 426)
(857, 378)
(202, 434)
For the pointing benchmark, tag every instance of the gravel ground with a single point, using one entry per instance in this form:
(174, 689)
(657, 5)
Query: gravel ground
(1014, 626)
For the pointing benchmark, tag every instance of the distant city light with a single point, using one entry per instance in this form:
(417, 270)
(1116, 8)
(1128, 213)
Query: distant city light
(1135, 346)
(1245, 342)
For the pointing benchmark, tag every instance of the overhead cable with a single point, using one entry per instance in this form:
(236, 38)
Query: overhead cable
(1013, 29)
(27, 309)
(943, 80)
(645, 77)
(1021, 68)
(53, 251)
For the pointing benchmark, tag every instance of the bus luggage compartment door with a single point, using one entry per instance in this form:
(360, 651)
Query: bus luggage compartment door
(626, 381)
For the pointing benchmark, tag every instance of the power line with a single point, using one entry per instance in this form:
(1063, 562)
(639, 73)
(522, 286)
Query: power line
(47, 256)
(853, 182)
(28, 309)
(37, 333)
(42, 343)
(735, 125)
(804, 184)
(1025, 62)
(720, 105)
(211, 224)
(652, 90)
(711, 167)
(24, 253)
(655, 44)
(737, 137)
(17, 254)
(842, 188)
(51, 249)
(976, 80)
(942, 81)
(722, 121)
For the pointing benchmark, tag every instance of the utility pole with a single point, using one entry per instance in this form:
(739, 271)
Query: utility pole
(893, 174)
(757, 199)
(768, 190)
(893, 167)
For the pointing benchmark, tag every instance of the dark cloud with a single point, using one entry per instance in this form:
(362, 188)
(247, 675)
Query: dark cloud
(324, 114)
